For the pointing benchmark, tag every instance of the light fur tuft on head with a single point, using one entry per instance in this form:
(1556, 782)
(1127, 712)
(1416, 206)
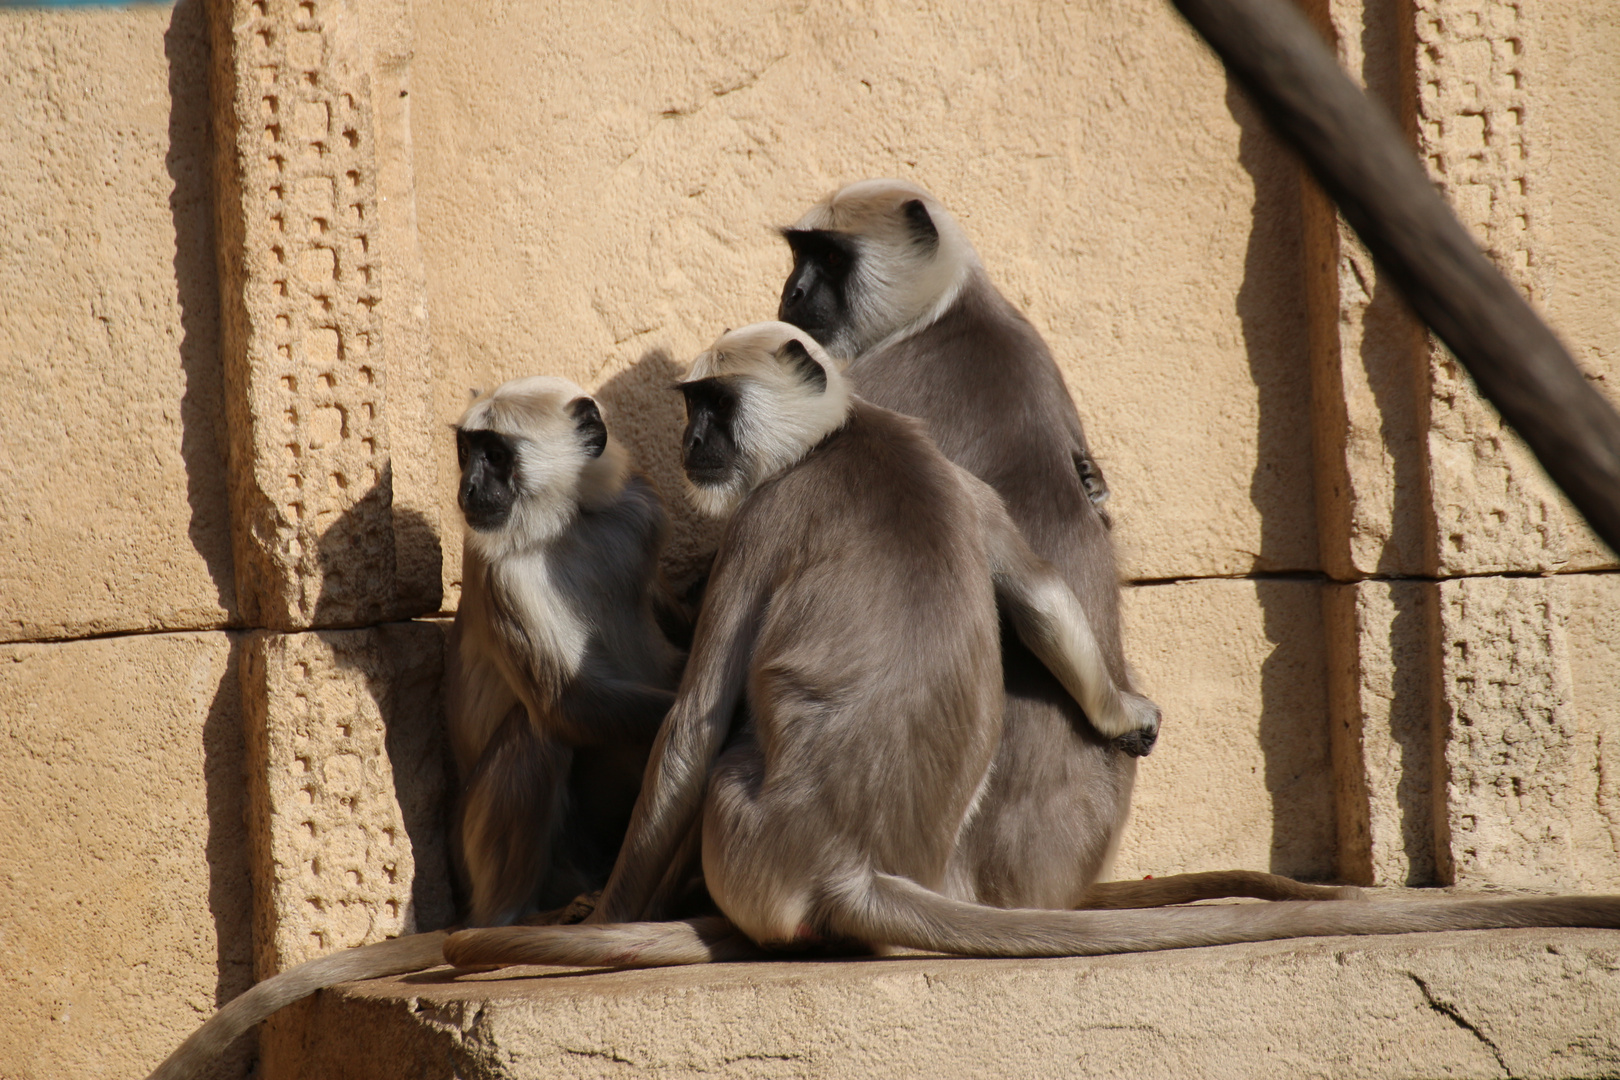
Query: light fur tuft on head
(556, 474)
(900, 284)
(781, 414)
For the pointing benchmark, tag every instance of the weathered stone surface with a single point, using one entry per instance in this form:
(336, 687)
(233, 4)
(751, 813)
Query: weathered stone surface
(114, 509)
(1530, 1003)
(347, 788)
(592, 186)
(1509, 731)
(1483, 132)
(306, 348)
(1239, 777)
(124, 911)
(1591, 603)
(1382, 679)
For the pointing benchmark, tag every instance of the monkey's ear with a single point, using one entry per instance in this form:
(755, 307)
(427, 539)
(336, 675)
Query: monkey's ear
(793, 352)
(588, 422)
(923, 229)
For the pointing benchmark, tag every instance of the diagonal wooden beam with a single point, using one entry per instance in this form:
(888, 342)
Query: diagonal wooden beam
(1359, 157)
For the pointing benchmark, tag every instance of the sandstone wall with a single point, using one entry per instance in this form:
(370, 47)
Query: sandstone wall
(259, 250)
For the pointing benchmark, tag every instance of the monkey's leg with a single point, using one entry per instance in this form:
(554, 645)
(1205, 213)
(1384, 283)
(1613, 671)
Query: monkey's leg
(393, 957)
(1209, 885)
(513, 804)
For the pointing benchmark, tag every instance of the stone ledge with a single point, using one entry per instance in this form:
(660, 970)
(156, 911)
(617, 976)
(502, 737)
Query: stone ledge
(1522, 1003)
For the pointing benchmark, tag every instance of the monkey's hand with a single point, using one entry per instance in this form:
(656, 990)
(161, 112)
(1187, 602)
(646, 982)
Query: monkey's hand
(1142, 718)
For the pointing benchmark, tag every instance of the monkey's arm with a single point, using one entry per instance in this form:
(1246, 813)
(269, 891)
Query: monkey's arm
(1051, 622)
(687, 744)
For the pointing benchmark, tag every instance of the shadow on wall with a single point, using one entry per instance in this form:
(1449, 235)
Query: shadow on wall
(230, 888)
(202, 449)
(1271, 309)
(203, 438)
(402, 664)
(646, 413)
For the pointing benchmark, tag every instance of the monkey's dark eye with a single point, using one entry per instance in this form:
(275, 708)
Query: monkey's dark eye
(461, 449)
(834, 259)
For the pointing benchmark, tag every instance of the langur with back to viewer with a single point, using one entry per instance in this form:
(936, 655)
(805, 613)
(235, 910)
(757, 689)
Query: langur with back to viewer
(884, 276)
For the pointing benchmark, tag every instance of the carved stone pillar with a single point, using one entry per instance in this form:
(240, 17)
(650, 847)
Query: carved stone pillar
(335, 524)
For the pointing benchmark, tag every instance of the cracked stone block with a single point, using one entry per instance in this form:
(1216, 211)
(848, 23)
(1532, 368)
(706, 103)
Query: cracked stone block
(114, 513)
(314, 315)
(347, 785)
(1524, 1003)
(1381, 684)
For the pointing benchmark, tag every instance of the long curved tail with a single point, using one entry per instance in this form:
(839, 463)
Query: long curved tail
(897, 911)
(1208, 885)
(393, 957)
(708, 940)
(887, 910)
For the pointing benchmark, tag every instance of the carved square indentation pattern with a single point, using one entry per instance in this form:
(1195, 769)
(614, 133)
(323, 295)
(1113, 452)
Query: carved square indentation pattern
(1509, 725)
(347, 788)
(312, 489)
(1493, 509)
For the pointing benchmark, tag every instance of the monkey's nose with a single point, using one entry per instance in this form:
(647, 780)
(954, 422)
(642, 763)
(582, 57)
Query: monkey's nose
(798, 294)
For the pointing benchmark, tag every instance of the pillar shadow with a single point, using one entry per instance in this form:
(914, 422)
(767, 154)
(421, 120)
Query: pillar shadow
(202, 405)
(1394, 357)
(202, 450)
(1271, 310)
(230, 888)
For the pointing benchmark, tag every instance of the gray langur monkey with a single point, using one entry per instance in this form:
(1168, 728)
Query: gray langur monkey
(883, 276)
(558, 674)
(836, 723)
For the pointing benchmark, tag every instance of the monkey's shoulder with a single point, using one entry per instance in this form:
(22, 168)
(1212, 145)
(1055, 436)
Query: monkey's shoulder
(877, 484)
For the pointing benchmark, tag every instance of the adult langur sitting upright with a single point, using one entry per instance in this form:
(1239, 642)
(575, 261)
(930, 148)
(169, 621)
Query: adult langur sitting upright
(558, 678)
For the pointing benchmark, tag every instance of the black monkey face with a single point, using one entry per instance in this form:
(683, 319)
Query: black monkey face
(709, 445)
(816, 296)
(488, 488)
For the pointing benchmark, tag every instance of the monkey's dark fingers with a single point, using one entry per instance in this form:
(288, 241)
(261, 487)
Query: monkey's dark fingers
(708, 940)
(1136, 743)
(393, 957)
(1209, 885)
(576, 910)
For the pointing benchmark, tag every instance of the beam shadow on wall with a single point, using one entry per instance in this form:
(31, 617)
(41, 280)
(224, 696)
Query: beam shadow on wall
(202, 421)
(1270, 306)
